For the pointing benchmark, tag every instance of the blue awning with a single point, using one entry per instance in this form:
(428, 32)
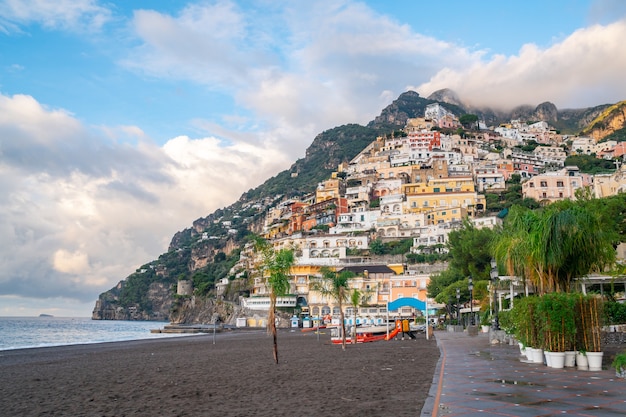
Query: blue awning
(407, 302)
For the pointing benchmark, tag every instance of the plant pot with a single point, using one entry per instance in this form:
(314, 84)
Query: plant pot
(595, 360)
(570, 358)
(537, 355)
(548, 356)
(522, 350)
(484, 328)
(557, 360)
(581, 361)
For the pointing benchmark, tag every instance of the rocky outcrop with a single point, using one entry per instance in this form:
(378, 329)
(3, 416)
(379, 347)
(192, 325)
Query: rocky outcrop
(408, 105)
(186, 310)
(546, 112)
(445, 95)
(158, 300)
(608, 122)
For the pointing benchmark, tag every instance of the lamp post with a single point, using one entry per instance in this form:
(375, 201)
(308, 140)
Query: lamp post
(470, 286)
(495, 325)
(458, 306)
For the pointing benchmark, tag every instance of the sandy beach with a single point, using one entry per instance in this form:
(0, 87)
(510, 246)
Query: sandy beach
(236, 376)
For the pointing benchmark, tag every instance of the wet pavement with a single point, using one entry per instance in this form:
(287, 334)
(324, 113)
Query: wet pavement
(475, 378)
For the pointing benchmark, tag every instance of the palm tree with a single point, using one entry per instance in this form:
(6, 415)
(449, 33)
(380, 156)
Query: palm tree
(276, 266)
(334, 284)
(358, 298)
(553, 245)
(355, 302)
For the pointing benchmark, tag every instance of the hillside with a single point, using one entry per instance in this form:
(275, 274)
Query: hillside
(207, 250)
(609, 123)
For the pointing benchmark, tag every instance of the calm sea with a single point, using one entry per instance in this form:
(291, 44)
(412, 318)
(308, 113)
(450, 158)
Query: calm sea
(28, 332)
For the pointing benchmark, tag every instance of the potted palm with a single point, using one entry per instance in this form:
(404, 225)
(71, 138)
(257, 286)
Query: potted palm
(485, 321)
(619, 363)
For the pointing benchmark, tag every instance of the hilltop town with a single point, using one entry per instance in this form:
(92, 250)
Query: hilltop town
(413, 186)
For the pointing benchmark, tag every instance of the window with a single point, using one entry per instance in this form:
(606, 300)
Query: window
(531, 185)
(544, 183)
(436, 189)
(559, 183)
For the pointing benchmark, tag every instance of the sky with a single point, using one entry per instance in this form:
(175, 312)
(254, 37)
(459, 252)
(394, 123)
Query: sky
(122, 122)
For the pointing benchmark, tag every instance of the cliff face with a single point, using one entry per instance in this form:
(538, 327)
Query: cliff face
(608, 122)
(108, 306)
(201, 310)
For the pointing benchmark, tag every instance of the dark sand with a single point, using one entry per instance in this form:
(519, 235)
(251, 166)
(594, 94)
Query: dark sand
(236, 376)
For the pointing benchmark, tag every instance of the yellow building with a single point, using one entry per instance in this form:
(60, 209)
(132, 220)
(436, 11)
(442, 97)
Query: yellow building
(443, 196)
(329, 189)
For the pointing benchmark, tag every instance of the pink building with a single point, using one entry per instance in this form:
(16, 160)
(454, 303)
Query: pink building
(554, 186)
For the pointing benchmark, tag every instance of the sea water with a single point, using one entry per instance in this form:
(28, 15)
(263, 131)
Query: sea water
(28, 332)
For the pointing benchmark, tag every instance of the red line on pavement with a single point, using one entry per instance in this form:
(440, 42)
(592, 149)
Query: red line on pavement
(440, 385)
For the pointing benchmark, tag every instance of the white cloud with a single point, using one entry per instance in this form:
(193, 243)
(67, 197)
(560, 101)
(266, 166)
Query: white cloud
(298, 70)
(73, 15)
(70, 262)
(585, 69)
(73, 226)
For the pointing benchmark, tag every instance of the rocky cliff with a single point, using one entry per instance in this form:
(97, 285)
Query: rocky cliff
(608, 122)
(108, 307)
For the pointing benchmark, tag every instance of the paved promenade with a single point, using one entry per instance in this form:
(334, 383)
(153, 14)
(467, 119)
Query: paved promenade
(474, 378)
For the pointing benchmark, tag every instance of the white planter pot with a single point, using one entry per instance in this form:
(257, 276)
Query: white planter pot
(595, 360)
(570, 358)
(484, 328)
(557, 360)
(581, 361)
(548, 356)
(528, 351)
(537, 355)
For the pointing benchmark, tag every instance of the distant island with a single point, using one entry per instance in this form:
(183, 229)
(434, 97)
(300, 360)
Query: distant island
(45, 315)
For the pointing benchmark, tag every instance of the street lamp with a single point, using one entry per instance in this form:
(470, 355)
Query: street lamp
(494, 279)
(458, 306)
(470, 286)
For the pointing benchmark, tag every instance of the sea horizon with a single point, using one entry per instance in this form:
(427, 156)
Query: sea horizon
(25, 332)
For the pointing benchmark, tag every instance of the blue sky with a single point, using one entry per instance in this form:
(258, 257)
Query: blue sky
(121, 122)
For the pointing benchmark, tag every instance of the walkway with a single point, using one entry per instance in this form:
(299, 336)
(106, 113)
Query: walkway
(474, 378)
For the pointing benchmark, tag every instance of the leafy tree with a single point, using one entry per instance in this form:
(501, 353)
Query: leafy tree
(440, 282)
(469, 250)
(590, 164)
(377, 247)
(469, 255)
(530, 146)
(334, 284)
(468, 121)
